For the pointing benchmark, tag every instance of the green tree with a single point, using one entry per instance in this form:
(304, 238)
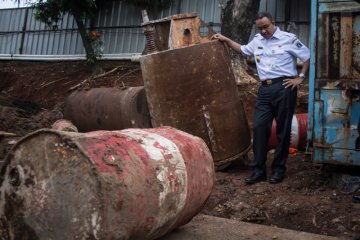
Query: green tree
(51, 11)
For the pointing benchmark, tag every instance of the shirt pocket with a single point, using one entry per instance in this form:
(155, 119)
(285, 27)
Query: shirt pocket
(258, 52)
(258, 55)
(281, 56)
(279, 52)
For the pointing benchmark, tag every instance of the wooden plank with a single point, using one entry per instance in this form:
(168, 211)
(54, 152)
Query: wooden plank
(334, 39)
(346, 45)
(348, 6)
(323, 47)
(356, 46)
(332, 1)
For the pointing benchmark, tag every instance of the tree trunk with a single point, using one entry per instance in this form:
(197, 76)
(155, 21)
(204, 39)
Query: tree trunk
(89, 50)
(84, 37)
(237, 22)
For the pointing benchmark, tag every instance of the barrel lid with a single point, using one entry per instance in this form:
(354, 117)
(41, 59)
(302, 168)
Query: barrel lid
(48, 185)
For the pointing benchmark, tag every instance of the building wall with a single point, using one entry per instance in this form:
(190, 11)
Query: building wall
(21, 36)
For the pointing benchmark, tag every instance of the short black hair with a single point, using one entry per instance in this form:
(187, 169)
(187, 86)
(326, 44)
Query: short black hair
(260, 15)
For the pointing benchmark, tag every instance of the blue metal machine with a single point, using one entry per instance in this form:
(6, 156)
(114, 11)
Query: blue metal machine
(334, 82)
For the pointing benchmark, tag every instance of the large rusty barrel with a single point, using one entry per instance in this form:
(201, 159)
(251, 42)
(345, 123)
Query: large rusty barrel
(108, 109)
(128, 184)
(193, 89)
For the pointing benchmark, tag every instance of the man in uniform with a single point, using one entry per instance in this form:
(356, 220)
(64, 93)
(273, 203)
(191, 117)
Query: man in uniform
(275, 54)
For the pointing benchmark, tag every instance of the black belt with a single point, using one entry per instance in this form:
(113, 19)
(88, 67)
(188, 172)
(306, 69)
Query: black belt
(274, 80)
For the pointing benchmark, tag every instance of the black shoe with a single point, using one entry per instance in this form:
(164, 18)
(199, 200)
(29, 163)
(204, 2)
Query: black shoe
(356, 199)
(255, 178)
(276, 177)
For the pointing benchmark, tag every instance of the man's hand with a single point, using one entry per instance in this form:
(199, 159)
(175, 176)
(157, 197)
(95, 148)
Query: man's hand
(292, 82)
(233, 45)
(218, 36)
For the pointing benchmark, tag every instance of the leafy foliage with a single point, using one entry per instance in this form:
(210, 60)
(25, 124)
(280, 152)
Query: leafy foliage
(50, 11)
(96, 44)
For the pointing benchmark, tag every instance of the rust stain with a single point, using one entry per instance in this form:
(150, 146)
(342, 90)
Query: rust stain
(184, 94)
(174, 32)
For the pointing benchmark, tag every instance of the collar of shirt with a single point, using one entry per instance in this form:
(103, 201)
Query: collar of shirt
(276, 34)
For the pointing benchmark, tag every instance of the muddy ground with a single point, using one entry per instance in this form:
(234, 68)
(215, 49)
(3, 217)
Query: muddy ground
(312, 198)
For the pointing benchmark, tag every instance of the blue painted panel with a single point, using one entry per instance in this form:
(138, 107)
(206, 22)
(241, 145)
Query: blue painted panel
(336, 118)
(332, 156)
(312, 73)
(318, 122)
(318, 155)
(333, 115)
(335, 128)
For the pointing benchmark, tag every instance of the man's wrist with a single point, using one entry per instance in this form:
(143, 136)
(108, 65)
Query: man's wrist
(302, 75)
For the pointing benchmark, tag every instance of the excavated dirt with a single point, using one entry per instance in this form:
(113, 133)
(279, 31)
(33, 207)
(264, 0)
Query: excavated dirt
(312, 198)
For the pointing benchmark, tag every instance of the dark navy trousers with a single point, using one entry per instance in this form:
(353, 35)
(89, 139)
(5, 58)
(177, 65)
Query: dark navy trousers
(273, 101)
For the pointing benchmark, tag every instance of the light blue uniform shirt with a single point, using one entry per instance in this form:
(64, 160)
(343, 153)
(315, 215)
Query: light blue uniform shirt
(276, 56)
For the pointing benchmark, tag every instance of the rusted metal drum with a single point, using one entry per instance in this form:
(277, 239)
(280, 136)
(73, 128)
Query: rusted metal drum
(299, 125)
(193, 89)
(108, 109)
(129, 184)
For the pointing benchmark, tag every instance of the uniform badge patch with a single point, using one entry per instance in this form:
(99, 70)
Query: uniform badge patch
(298, 44)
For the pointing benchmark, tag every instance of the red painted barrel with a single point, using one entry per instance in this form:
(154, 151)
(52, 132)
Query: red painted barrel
(129, 184)
(298, 132)
(108, 109)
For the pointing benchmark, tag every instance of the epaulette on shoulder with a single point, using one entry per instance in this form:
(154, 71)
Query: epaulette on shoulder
(290, 35)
